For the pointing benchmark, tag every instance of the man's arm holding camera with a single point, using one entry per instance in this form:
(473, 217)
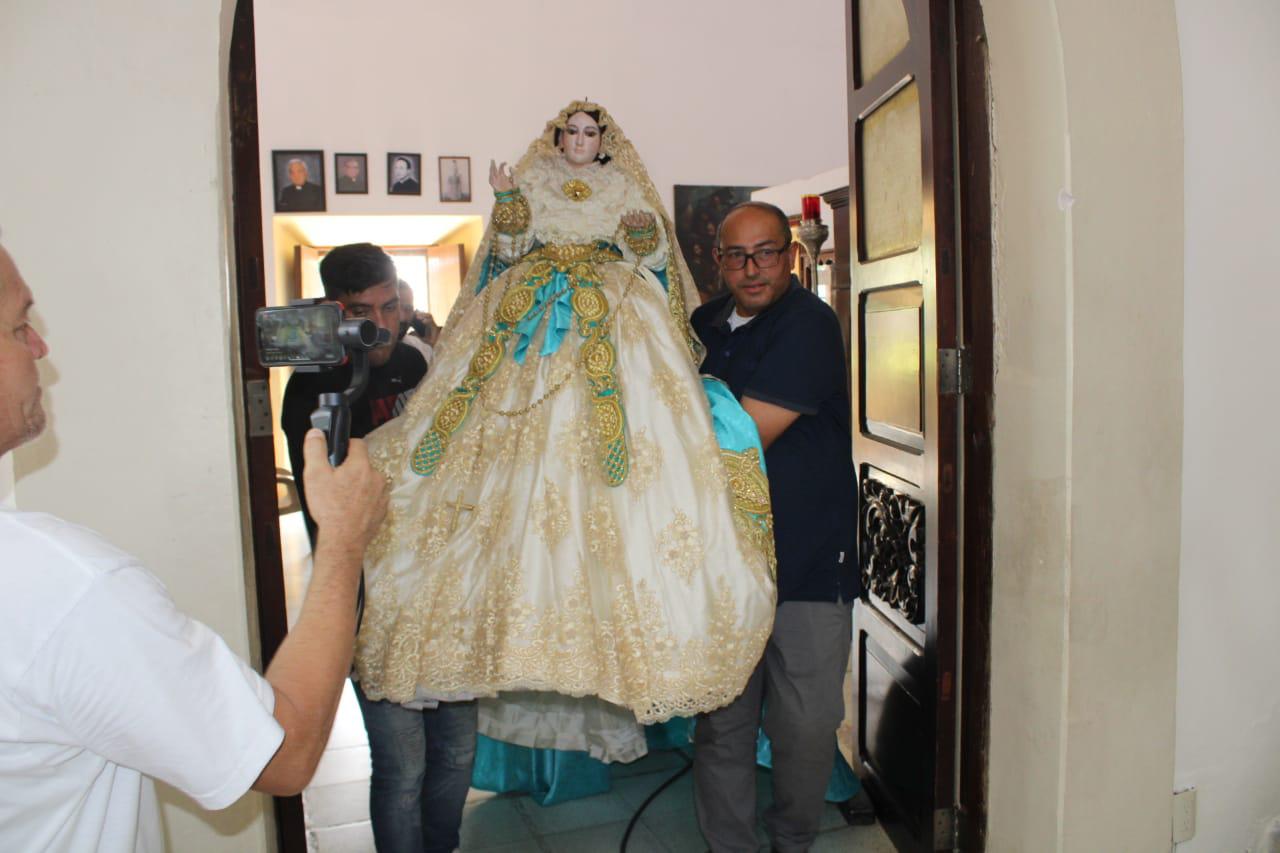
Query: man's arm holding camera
(308, 672)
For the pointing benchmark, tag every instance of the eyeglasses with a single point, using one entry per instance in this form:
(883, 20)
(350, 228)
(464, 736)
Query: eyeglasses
(736, 259)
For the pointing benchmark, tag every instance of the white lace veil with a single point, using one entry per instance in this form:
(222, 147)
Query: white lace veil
(682, 291)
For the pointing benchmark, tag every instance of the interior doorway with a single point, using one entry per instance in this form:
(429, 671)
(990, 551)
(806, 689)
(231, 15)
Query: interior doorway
(956, 55)
(335, 803)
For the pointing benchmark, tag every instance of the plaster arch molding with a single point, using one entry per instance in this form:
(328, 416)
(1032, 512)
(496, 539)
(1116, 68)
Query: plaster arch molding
(1086, 112)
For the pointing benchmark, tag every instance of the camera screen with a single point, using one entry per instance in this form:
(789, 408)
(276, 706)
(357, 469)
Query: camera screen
(299, 335)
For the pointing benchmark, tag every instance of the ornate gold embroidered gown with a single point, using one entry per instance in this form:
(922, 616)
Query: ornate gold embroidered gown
(562, 516)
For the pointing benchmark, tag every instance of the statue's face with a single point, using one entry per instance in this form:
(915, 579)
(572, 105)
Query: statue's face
(580, 139)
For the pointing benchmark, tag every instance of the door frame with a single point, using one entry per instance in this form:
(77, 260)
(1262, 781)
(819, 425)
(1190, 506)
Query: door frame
(974, 204)
(977, 329)
(249, 295)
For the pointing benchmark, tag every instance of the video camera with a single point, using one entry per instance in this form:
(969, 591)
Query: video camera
(310, 335)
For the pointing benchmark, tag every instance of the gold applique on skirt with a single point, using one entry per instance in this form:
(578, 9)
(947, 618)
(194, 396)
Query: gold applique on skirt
(518, 565)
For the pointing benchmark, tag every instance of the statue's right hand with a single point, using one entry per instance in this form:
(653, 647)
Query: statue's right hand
(501, 178)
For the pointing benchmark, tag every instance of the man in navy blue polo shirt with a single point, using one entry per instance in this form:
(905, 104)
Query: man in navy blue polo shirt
(779, 349)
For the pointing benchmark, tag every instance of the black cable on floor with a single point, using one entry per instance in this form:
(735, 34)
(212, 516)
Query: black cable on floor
(635, 818)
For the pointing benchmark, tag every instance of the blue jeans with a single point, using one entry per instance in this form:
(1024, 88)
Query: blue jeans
(421, 773)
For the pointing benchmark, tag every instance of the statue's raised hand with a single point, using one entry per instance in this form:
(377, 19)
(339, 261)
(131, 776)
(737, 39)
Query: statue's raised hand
(501, 178)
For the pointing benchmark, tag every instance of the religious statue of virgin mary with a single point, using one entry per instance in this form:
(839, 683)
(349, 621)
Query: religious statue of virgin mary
(579, 523)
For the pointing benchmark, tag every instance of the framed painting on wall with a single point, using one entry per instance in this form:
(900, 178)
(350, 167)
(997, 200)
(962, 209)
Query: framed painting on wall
(403, 171)
(455, 179)
(299, 181)
(699, 212)
(353, 173)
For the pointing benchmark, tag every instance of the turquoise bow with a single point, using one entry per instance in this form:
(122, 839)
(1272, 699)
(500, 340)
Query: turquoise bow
(560, 311)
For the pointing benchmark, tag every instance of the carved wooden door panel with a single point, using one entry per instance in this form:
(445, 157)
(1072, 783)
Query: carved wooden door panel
(905, 409)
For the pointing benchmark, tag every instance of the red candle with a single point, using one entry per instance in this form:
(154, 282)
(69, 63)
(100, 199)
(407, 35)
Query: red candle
(809, 208)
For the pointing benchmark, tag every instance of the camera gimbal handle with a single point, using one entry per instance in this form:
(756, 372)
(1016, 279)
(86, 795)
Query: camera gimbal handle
(333, 415)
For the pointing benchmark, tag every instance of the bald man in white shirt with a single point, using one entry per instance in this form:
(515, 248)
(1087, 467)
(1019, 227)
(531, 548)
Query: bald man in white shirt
(105, 685)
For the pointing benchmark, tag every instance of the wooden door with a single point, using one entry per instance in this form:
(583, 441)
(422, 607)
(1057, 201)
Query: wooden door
(905, 369)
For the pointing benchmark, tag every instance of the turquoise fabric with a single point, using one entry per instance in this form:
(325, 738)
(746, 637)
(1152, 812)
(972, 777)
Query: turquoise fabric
(735, 430)
(550, 776)
(491, 268)
(559, 316)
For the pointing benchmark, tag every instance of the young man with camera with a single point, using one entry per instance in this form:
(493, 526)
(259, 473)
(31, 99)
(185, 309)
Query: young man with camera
(362, 278)
(422, 758)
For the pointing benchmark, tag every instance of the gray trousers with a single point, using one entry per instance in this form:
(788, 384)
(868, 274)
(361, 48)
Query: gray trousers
(800, 680)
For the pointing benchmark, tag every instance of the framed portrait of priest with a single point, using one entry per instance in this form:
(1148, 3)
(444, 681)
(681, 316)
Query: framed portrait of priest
(352, 172)
(455, 179)
(404, 174)
(298, 180)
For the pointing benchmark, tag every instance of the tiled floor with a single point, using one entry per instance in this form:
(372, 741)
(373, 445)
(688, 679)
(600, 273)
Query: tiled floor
(337, 801)
(337, 809)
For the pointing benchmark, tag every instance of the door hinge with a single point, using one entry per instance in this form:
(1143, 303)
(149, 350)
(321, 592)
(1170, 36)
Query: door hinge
(257, 400)
(955, 372)
(946, 828)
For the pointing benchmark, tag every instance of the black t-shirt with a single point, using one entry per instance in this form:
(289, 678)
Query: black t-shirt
(792, 355)
(389, 388)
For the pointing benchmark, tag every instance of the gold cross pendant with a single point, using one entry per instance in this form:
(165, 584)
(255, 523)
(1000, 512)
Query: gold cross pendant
(458, 508)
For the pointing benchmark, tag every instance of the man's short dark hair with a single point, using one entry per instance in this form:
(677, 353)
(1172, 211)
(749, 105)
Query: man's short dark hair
(355, 268)
(784, 224)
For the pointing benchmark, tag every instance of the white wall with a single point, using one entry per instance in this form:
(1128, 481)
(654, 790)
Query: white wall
(710, 92)
(1228, 732)
(114, 206)
(1087, 423)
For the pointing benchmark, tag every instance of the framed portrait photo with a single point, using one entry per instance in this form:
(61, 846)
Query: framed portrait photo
(404, 174)
(455, 179)
(299, 181)
(351, 173)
